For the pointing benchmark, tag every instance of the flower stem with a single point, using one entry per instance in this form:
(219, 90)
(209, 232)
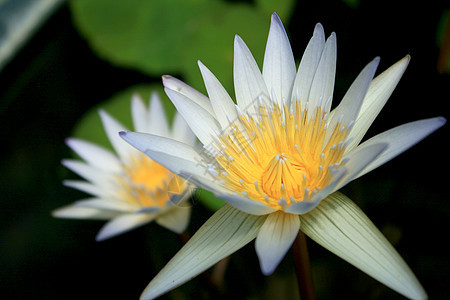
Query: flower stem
(218, 273)
(303, 267)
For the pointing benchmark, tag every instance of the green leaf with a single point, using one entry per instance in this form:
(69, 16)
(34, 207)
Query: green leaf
(168, 37)
(208, 199)
(352, 3)
(443, 41)
(213, 44)
(145, 35)
(284, 8)
(19, 21)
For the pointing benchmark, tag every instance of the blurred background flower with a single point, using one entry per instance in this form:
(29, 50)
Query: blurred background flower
(83, 54)
(125, 186)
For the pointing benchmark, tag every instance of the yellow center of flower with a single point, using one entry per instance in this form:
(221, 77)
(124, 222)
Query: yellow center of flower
(149, 184)
(279, 156)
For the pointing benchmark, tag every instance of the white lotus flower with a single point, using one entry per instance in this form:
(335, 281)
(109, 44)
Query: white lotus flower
(129, 188)
(279, 156)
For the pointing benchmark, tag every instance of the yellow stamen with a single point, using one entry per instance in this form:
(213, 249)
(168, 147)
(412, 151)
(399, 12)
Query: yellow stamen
(149, 184)
(280, 156)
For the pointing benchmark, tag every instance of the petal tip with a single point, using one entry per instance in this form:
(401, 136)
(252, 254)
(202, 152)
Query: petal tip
(122, 134)
(318, 26)
(275, 18)
(166, 80)
(441, 121)
(238, 41)
(69, 141)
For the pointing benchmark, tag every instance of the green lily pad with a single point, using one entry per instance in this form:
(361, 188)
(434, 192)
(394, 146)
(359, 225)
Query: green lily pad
(168, 37)
(209, 200)
(284, 8)
(213, 45)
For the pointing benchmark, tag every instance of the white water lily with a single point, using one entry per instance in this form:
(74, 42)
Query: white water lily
(128, 188)
(279, 156)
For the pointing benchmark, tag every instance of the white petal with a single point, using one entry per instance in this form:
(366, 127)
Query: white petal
(242, 203)
(176, 219)
(181, 131)
(223, 105)
(76, 212)
(139, 114)
(157, 120)
(400, 139)
(122, 224)
(348, 109)
(377, 95)
(95, 155)
(174, 155)
(202, 123)
(179, 86)
(86, 187)
(360, 159)
(308, 66)
(249, 84)
(224, 233)
(88, 172)
(112, 128)
(279, 64)
(275, 238)
(108, 204)
(323, 83)
(341, 227)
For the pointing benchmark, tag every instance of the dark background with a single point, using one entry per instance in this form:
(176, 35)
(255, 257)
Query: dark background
(56, 78)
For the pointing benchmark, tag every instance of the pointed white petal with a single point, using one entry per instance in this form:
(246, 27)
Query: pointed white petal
(181, 131)
(308, 66)
(176, 219)
(139, 114)
(202, 123)
(88, 172)
(348, 109)
(275, 238)
(224, 233)
(249, 84)
(157, 120)
(400, 139)
(94, 155)
(112, 128)
(108, 204)
(75, 212)
(279, 64)
(323, 83)
(341, 227)
(122, 224)
(223, 105)
(86, 187)
(242, 203)
(174, 155)
(377, 95)
(179, 86)
(359, 160)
